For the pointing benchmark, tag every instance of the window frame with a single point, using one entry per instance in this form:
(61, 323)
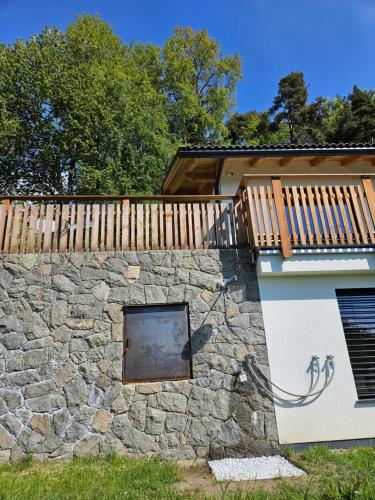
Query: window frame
(171, 378)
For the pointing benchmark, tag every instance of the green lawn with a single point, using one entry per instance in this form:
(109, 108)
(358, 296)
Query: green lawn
(331, 475)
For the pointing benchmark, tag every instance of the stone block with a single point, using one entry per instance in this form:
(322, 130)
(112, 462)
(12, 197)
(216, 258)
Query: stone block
(102, 421)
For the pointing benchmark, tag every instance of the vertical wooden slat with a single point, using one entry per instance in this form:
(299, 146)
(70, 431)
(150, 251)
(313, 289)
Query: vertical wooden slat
(301, 229)
(259, 217)
(348, 204)
(8, 228)
(310, 198)
(306, 215)
(147, 227)
(357, 213)
(263, 204)
(176, 235)
(132, 226)
(25, 223)
(182, 224)
(161, 225)
(335, 214)
(118, 226)
(281, 218)
(79, 228)
(64, 228)
(211, 225)
(72, 227)
(218, 226)
(41, 228)
(190, 225)
(48, 228)
(87, 227)
(365, 214)
(197, 225)
(140, 227)
(168, 226)
(224, 225)
(95, 228)
(318, 198)
(370, 196)
(32, 229)
(288, 199)
(252, 228)
(329, 215)
(204, 225)
(110, 226)
(125, 225)
(56, 229)
(154, 227)
(344, 219)
(15, 235)
(272, 214)
(239, 214)
(103, 220)
(3, 221)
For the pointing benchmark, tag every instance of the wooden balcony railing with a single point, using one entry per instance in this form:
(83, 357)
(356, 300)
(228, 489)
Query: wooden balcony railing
(294, 213)
(105, 223)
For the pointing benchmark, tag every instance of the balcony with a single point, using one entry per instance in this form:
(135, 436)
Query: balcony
(284, 213)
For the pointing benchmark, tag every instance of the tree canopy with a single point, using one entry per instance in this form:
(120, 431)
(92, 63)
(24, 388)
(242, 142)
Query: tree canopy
(82, 112)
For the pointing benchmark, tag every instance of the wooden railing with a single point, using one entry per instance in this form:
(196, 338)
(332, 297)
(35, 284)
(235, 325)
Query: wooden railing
(292, 213)
(86, 224)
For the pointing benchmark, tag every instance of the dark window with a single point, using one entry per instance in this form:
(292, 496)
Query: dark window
(156, 343)
(357, 309)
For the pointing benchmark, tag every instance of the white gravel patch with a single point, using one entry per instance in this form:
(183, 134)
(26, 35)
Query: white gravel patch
(245, 469)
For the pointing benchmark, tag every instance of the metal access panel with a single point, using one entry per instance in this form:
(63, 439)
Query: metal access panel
(156, 343)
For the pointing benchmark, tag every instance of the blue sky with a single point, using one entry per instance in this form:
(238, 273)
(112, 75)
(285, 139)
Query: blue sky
(331, 41)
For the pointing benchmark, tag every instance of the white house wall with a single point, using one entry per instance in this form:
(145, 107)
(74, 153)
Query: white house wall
(302, 318)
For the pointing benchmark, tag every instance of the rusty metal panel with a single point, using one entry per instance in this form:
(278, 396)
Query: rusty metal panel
(156, 343)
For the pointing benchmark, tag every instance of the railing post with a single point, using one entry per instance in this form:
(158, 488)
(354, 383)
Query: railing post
(286, 246)
(370, 195)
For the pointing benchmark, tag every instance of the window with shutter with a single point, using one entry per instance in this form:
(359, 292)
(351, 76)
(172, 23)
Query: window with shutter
(357, 309)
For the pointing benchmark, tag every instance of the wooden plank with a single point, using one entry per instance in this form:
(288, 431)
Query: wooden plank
(336, 215)
(310, 235)
(161, 226)
(147, 226)
(125, 225)
(288, 199)
(94, 247)
(370, 196)
(140, 227)
(110, 227)
(218, 227)
(87, 227)
(41, 226)
(183, 227)
(271, 211)
(56, 229)
(239, 214)
(168, 226)
(4, 207)
(262, 195)
(365, 214)
(32, 228)
(80, 227)
(8, 229)
(281, 218)
(252, 229)
(72, 227)
(357, 214)
(15, 235)
(176, 235)
(211, 225)
(197, 225)
(311, 204)
(190, 226)
(339, 198)
(154, 227)
(132, 226)
(259, 217)
(64, 231)
(318, 198)
(224, 225)
(25, 223)
(47, 240)
(204, 225)
(353, 222)
(301, 229)
(118, 226)
(327, 208)
(103, 230)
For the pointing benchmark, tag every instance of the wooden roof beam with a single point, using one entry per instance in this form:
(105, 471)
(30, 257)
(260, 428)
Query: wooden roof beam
(284, 161)
(253, 162)
(349, 160)
(317, 161)
(201, 176)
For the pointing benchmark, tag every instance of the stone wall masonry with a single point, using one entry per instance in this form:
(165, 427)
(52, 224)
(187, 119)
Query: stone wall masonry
(61, 327)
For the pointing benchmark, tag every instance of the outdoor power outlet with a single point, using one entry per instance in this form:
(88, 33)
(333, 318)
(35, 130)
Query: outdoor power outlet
(242, 376)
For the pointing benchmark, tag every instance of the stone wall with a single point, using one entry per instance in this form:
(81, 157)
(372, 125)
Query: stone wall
(61, 391)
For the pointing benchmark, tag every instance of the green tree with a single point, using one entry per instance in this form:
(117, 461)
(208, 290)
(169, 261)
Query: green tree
(254, 128)
(199, 83)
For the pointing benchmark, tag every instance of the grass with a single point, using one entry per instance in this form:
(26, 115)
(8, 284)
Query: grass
(331, 475)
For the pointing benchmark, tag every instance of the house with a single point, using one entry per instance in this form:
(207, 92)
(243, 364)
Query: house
(230, 315)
